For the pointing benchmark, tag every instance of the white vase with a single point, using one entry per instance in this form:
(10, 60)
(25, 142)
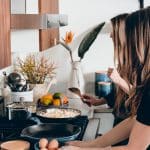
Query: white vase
(38, 91)
(41, 89)
(76, 79)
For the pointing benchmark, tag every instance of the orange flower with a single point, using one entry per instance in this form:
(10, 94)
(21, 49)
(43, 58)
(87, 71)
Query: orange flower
(69, 37)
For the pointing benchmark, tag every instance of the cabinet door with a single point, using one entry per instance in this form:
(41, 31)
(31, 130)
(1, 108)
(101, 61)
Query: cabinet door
(48, 36)
(5, 52)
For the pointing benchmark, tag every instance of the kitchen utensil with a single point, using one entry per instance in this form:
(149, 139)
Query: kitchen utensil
(61, 131)
(15, 145)
(5, 79)
(104, 89)
(16, 82)
(78, 92)
(14, 78)
(100, 76)
(58, 114)
(17, 111)
(26, 96)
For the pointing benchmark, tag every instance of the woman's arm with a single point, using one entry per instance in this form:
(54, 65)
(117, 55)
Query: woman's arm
(116, 78)
(123, 85)
(140, 134)
(139, 138)
(115, 135)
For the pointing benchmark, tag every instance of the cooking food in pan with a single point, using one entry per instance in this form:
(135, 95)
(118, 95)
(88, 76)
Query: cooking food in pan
(59, 113)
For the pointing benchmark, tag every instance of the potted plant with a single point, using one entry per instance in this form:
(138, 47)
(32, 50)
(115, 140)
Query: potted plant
(39, 73)
(76, 78)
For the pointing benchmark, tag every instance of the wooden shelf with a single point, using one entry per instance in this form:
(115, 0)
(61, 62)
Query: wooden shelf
(26, 21)
(38, 21)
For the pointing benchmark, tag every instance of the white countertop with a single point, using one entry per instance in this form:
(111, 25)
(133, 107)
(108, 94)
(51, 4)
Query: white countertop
(92, 129)
(86, 110)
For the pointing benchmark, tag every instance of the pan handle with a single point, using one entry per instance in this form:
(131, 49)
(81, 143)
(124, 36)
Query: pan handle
(36, 120)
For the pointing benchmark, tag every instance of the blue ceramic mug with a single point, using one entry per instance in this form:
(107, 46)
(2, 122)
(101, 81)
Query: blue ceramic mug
(100, 76)
(104, 89)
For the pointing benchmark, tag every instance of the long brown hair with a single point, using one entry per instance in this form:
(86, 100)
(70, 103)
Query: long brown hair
(120, 57)
(137, 31)
(118, 24)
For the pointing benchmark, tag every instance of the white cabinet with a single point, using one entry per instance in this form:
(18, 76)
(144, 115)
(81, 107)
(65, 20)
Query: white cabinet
(24, 7)
(24, 41)
(32, 7)
(18, 6)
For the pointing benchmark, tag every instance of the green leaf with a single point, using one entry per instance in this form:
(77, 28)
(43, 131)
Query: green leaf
(88, 40)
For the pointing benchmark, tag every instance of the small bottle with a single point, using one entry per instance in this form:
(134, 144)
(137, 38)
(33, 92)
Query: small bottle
(6, 93)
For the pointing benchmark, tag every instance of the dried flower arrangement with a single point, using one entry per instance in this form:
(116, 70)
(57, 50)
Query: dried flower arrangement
(36, 69)
(86, 42)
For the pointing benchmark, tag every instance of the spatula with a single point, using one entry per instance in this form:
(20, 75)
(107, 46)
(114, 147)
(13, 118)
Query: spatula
(78, 92)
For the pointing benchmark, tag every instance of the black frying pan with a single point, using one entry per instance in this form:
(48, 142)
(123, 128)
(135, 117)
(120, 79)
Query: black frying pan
(60, 131)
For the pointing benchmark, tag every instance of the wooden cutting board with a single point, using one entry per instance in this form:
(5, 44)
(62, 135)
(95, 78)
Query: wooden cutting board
(15, 145)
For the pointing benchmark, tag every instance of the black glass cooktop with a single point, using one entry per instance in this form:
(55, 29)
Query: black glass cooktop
(10, 130)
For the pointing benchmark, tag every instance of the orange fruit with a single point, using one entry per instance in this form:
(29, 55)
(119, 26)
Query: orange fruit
(47, 96)
(47, 99)
(56, 102)
(65, 100)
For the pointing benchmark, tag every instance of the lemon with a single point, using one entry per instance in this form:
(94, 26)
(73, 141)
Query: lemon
(57, 95)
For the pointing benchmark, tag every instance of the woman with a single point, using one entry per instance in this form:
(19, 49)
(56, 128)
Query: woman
(117, 97)
(137, 127)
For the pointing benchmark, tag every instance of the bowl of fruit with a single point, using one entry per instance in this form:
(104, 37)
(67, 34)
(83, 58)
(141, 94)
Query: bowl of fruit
(53, 100)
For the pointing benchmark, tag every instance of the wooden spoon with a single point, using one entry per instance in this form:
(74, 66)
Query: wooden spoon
(78, 92)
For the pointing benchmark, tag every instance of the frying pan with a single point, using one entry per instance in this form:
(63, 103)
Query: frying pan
(41, 114)
(60, 131)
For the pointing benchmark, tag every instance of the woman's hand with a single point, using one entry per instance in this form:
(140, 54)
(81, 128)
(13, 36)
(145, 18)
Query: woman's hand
(114, 75)
(89, 99)
(77, 143)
